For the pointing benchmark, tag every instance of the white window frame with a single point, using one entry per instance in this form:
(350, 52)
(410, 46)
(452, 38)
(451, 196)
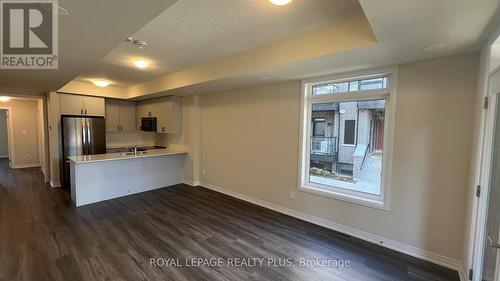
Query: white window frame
(381, 201)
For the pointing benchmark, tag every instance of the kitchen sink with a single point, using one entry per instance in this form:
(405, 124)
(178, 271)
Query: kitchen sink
(131, 153)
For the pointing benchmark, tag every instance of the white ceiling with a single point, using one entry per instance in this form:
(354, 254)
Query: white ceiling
(191, 33)
(89, 32)
(403, 28)
(194, 32)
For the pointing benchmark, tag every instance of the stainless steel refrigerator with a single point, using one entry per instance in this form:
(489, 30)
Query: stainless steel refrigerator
(81, 136)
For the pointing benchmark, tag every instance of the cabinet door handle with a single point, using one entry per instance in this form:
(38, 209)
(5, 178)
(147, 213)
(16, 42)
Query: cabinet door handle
(118, 128)
(85, 112)
(81, 111)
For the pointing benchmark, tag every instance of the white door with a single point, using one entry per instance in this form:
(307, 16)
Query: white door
(491, 231)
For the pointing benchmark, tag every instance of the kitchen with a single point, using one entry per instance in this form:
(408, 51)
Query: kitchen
(280, 130)
(112, 148)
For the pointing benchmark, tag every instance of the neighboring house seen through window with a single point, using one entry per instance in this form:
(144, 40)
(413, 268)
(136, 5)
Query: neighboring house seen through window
(349, 131)
(345, 147)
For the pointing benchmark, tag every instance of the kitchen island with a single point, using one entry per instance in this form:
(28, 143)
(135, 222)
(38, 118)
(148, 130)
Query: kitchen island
(100, 177)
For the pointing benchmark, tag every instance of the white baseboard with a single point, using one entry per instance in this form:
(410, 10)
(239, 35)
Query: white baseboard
(191, 182)
(372, 238)
(22, 166)
(463, 272)
(54, 184)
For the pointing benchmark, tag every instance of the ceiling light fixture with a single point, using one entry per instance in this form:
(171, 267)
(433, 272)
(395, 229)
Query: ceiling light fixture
(434, 47)
(280, 2)
(140, 63)
(101, 83)
(4, 99)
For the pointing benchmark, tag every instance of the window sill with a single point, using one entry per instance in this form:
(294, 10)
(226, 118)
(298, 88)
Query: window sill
(359, 200)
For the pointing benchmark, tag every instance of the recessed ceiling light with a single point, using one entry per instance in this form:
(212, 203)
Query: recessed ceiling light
(280, 2)
(434, 47)
(4, 99)
(140, 63)
(101, 83)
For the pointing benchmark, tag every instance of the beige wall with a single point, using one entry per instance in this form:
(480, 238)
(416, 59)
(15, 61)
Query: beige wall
(24, 116)
(249, 145)
(4, 142)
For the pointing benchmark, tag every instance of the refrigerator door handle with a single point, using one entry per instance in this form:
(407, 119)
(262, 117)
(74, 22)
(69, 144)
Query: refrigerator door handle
(84, 138)
(89, 137)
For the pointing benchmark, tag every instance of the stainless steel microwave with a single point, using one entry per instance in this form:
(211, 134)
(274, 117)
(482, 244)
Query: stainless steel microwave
(148, 124)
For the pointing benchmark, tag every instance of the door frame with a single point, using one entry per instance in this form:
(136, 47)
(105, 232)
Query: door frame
(10, 143)
(485, 180)
(482, 165)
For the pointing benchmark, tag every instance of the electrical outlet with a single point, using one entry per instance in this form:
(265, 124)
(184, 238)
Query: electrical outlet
(292, 194)
(28, 157)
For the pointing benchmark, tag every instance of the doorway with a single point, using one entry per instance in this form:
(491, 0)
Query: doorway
(6, 142)
(490, 233)
(485, 243)
(4, 135)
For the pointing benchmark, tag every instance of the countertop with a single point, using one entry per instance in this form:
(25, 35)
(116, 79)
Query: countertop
(122, 156)
(127, 148)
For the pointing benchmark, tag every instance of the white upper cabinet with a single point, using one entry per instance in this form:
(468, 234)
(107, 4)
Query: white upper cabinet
(168, 113)
(82, 105)
(94, 106)
(71, 104)
(120, 116)
(112, 115)
(127, 116)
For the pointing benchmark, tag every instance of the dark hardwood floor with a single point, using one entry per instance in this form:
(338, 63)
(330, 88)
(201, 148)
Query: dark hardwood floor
(43, 237)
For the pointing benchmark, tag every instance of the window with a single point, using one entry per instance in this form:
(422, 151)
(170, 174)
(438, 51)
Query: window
(319, 126)
(350, 86)
(349, 131)
(346, 142)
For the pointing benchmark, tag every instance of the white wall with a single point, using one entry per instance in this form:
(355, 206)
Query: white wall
(4, 142)
(24, 134)
(249, 145)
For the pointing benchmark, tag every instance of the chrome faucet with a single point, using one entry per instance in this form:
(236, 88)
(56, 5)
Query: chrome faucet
(134, 149)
